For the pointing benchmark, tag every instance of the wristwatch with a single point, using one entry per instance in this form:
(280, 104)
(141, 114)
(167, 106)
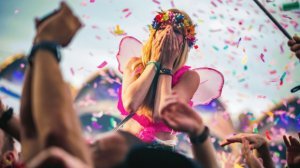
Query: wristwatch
(53, 47)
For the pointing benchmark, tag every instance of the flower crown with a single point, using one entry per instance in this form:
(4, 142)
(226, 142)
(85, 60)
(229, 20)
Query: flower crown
(165, 18)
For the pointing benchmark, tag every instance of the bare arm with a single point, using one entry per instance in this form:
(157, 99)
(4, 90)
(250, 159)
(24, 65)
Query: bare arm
(134, 90)
(257, 142)
(264, 153)
(12, 127)
(180, 117)
(185, 88)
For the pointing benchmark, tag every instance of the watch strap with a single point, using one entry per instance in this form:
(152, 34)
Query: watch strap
(46, 45)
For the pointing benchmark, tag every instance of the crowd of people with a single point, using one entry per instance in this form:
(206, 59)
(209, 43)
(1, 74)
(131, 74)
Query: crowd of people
(156, 93)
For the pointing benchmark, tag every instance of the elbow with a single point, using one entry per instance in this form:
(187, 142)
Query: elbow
(130, 106)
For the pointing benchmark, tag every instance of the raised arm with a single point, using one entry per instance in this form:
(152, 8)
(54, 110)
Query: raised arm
(188, 83)
(180, 117)
(257, 142)
(136, 85)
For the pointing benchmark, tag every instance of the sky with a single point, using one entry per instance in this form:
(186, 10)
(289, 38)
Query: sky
(234, 36)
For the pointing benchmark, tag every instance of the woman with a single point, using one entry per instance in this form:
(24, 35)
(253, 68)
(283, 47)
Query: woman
(159, 72)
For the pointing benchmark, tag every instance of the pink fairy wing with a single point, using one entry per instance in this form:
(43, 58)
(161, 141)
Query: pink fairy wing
(129, 47)
(210, 87)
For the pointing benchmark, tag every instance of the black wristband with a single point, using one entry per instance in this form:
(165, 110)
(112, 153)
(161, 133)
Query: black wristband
(199, 139)
(53, 47)
(165, 71)
(6, 116)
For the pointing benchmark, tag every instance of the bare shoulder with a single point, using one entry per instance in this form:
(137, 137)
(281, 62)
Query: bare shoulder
(189, 76)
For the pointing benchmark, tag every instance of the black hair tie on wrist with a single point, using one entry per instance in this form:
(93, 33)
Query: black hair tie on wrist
(199, 139)
(165, 71)
(6, 116)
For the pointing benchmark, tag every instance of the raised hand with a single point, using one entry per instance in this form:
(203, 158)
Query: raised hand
(158, 44)
(294, 45)
(251, 160)
(172, 48)
(60, 27)
(292, 150)
(255, 140)
(180, 117)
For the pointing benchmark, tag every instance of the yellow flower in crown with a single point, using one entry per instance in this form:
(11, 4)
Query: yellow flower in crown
(176, 19)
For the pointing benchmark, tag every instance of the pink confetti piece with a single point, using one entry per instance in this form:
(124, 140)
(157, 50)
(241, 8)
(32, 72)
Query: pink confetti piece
(247, 38)
(22, 65)
(273, 72)
(125, 10)
(172, 4)
(72, 71)
(103, 64)
(213, 3)
(95, 85)
(83, 3)
(286, 16)
(128, 14)
(261, 97)
(92, 1)
(262, 57)
(230, 30)
(281, 48)
(156, 1)
(98, 37)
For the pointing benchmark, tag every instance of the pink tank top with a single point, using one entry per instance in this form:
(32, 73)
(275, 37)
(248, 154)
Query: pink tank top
(147, 134)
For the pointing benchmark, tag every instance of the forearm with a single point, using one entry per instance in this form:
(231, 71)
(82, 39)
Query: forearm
(134, 95)
(264, 153)
(205, 154)
(13, 128)
(164, 88)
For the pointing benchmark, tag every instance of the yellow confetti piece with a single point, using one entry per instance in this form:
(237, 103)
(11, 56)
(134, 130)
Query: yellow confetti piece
(244, 59)
(238, 166)
(119, 31)
(270, 114)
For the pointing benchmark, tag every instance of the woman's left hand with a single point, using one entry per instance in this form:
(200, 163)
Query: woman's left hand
(171, 48)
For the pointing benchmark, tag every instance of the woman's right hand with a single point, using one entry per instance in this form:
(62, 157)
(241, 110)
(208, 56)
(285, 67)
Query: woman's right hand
(158, 44)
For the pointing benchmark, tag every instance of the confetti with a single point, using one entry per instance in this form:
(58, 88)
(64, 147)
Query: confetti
(244, 59)
(282, 78)
(156, 1)
(103, 64)
(172, 4)
(72, 71)
(119, 31)
(268, 135)
(92, 1)
(216, 48)
(238, 43)
(262, 57)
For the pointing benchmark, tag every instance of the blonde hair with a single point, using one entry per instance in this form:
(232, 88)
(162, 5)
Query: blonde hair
(148, 105)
